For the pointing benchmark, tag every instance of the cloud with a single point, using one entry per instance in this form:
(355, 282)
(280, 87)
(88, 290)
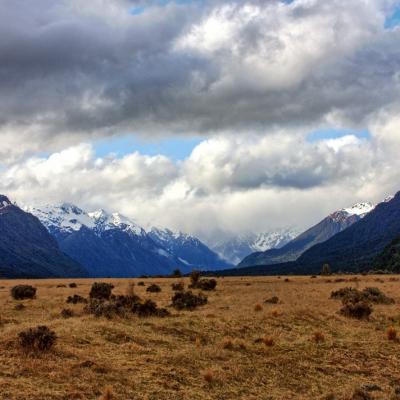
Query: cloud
(228, 183)
(76, 70)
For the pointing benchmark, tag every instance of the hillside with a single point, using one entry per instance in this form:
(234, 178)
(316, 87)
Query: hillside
(27, 250)
(324, 230)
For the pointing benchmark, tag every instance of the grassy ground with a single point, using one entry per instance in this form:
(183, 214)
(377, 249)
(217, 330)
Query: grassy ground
(184, 356)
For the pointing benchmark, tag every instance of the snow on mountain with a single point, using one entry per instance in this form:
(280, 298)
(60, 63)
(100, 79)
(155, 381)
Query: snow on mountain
(65, 217)
(360, 209)
(235, 248)
(105, 221)
(189, 249)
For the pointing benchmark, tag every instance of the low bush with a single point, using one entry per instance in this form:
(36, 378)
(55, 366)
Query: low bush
(204, 284)
(359, 310)
(272, 300)
(21, 292)
(123, 306)
(153, 288)
(67, 313)
(73, 285)
(75, 299)
(101, 290)
(39, 339)
(178, 287)
(258, 308)
(61, 286)
(188, 300)
(369, 294)
(391, 333)
(141, 283)
(149, 308)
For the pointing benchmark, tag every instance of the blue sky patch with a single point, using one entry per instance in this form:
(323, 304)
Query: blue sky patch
(336, 133)
(393, 20)
(176, 148)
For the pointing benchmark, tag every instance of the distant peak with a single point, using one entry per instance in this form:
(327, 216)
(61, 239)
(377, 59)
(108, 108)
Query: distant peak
(360, 208)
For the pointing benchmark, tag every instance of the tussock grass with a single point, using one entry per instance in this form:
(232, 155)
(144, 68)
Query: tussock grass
(185, 356)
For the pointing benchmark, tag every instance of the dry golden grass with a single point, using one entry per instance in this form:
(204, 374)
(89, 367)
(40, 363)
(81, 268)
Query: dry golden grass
(214, 352)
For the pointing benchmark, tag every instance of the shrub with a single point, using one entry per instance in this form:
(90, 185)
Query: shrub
(227, 344)
(272, 300)
(258, 308)
(326, 269)
(149, 308)
(359, 310)
(204, 284)
(194, 277)
(391, 333)
(177, 273)
(104, 308)
(178, 287)
(369, 294)
(75, 299)
(141, 283)
(21, 292)
(19, 307)
(73, 285)
(101, 290)
(188, 300)
(67, 313)
(153, 288)
(61, 286)
(37, 339)
(108, 394)
(208, 376)
(361, 394)
(318, 337)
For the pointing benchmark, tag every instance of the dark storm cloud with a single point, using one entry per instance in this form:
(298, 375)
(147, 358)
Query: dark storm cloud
(93, 68)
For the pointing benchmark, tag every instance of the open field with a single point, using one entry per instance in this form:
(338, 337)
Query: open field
(209, 353)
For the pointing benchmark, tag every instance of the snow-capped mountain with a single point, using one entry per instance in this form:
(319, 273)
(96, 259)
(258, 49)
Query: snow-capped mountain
(235, 248)
(28, 250)
(331, 225)
(189, 249)
(109, 244)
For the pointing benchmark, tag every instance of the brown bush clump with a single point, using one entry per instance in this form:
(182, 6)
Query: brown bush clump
(19, 307)
(108, 394)
(204, 284)
(391, 333)
(318, 337)
(369, 294)
(149, 308)
(258, 308)
(153, 288)
(123, 306)
(21, 292)
(39, 339)
(141, 283)
(272, 300)
(361, 394)
(73, 285)
(187, 300)
(359, 309)
(67, 313)
(178, 287)
(75, 299)
(194, 277)
(61, 286)
(101, 290)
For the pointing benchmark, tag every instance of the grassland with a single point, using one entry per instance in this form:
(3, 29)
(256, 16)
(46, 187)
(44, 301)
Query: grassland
(309, 350)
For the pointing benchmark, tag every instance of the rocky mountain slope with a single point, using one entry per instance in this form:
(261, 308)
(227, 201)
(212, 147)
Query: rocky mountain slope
(319, 233)
(27, 250)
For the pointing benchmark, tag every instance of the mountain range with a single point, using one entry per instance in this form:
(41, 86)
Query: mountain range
(356, 248)
(324, 230)
(235, 248)
(27, 250)
(113, 245)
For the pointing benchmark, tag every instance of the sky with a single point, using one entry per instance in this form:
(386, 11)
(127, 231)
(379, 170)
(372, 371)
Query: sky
(211, 117)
